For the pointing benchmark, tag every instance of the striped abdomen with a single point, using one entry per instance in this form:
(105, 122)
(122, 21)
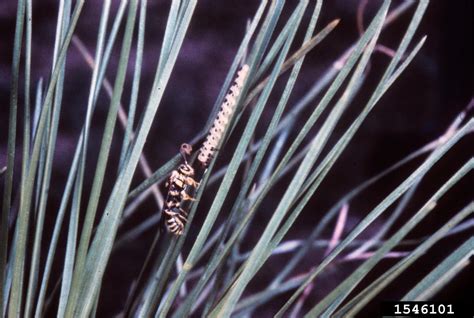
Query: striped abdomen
(178, 183)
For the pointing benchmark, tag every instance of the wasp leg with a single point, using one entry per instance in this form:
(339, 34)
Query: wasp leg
(187, 197)
(192, 182)
(183, 215)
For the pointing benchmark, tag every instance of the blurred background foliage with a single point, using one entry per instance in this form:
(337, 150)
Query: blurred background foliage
(417, 109)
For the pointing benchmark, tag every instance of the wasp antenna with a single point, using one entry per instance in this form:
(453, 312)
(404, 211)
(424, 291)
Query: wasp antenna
(185, 150)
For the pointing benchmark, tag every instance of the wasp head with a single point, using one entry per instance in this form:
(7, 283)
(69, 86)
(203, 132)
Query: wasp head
(186, 169)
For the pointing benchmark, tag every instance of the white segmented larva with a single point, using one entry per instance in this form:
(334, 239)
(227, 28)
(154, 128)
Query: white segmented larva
(220, 123)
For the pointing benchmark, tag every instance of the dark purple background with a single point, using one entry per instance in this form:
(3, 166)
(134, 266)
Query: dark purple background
(419, 106)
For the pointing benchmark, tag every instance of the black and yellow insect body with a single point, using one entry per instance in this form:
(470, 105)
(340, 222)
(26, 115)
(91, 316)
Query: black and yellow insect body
(223, 118)
(179, 184)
